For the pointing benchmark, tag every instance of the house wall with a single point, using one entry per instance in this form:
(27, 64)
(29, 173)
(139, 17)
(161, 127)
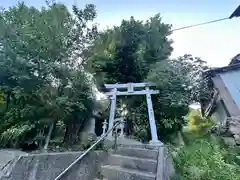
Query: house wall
(227, 92)
(231, 80)
(219, 114)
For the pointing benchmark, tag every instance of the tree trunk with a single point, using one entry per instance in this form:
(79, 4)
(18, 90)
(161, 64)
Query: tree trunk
(48, 138)
(72, 133)
(180, 138)
(8, 100)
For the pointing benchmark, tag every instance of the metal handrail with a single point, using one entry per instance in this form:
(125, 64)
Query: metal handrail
(87, 151)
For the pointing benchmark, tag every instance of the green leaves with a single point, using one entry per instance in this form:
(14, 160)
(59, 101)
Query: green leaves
(204, 160)
(197, 124)
(181, 79)
(181, 83)
(42, 74)
(125, 53)
(15, 134)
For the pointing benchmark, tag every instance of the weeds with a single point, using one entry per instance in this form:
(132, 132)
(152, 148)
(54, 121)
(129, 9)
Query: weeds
(205, 159)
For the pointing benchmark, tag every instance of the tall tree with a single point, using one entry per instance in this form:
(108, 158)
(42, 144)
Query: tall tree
(42, 74)
(125, 53)
(181, 83)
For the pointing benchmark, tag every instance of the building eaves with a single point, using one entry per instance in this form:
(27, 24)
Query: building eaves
(236, 13)
(235, 59)
(213, 72)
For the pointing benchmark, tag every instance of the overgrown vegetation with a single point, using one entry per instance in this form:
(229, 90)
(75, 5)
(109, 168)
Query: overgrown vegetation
(205, 158)
(42, 78)
(197, 124)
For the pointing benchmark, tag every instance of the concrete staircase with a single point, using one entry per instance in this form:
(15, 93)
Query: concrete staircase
(131, 163)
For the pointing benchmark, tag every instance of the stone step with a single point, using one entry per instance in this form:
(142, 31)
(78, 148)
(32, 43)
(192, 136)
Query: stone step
(141, 164)
(142, 146)
(120, 173)
(137, 152)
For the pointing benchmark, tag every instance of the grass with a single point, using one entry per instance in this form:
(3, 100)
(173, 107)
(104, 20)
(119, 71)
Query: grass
(205, 158)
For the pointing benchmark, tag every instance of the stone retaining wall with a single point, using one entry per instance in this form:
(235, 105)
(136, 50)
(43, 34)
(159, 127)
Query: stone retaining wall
(48, 166)
(165, 168)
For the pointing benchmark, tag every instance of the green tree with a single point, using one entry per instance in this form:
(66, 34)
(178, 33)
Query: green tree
(42, 70)
(181, 83)
(125, 53)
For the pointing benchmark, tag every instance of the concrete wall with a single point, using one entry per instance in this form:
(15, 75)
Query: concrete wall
(168, 167)
(8, 158)
(48, 166)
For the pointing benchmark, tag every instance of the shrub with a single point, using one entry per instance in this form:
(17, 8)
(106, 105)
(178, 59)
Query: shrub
(197, 124)
(203, 159)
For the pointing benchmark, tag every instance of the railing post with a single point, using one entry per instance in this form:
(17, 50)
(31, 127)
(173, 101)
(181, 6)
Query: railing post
(104, 127)
(115, 139)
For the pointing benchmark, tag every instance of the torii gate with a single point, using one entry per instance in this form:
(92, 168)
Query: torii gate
(128, 89)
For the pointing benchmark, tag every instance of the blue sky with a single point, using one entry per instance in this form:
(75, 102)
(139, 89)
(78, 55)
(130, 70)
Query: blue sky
(215, 43)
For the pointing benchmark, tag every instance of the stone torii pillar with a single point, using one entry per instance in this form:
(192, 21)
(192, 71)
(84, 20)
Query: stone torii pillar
(151, 118)
(113, 98)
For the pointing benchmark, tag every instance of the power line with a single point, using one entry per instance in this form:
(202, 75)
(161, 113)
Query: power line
(235, 14)
(209, 22)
